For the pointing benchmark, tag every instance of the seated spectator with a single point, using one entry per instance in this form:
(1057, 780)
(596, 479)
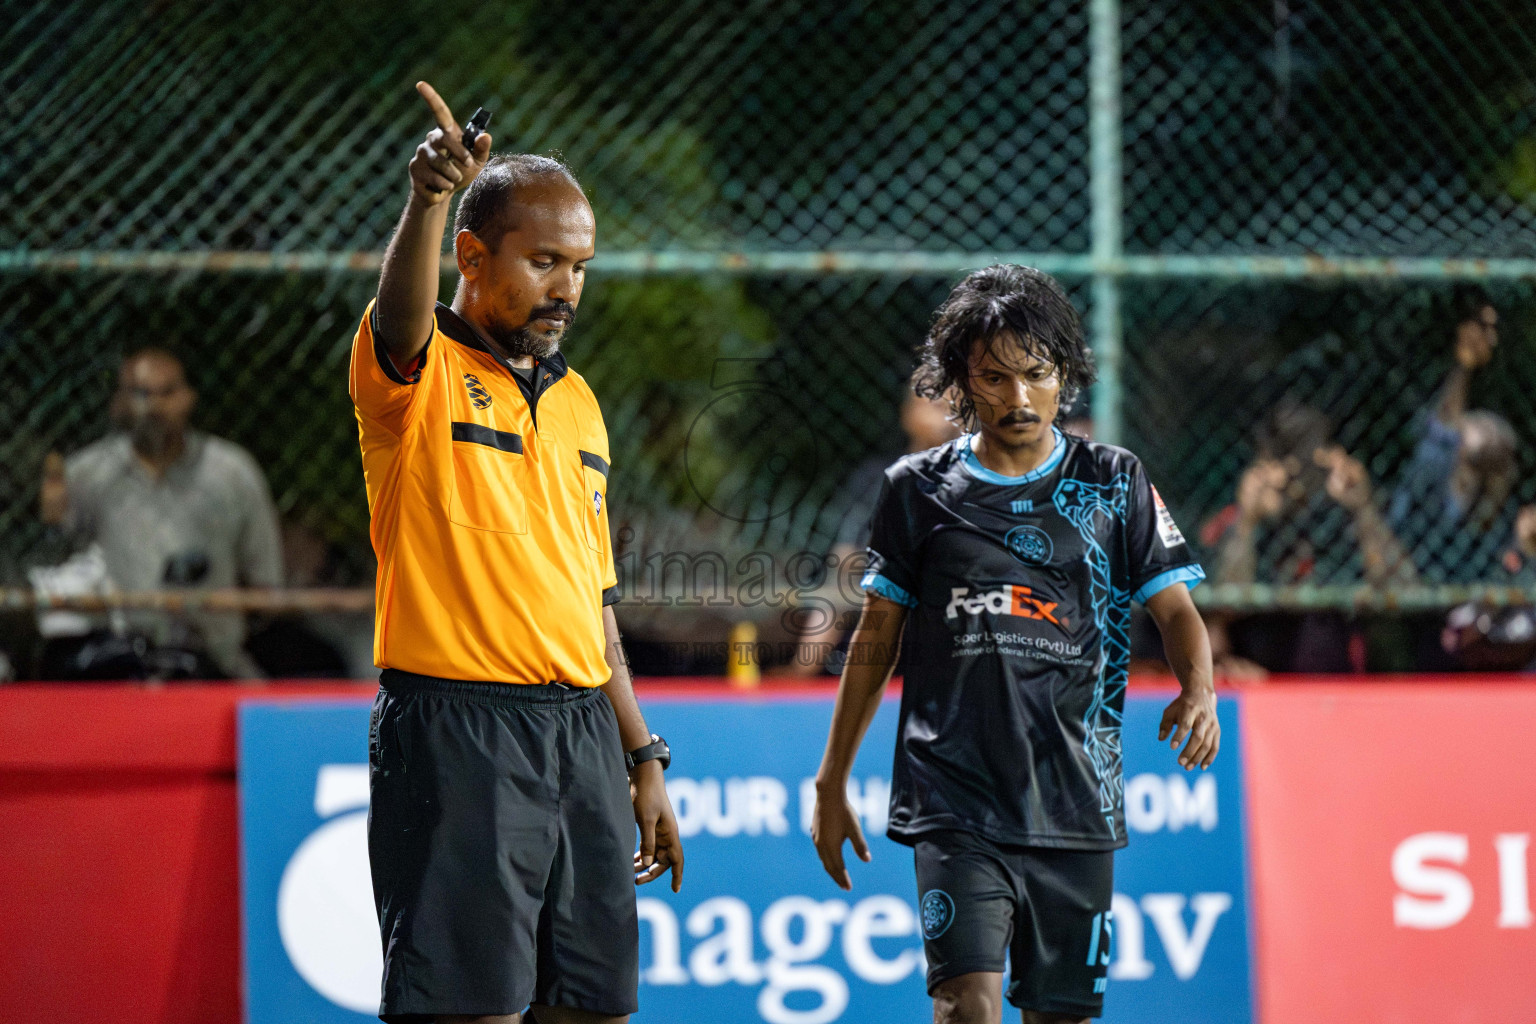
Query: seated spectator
(168, 506)
(1305, 513)
(1455, 506)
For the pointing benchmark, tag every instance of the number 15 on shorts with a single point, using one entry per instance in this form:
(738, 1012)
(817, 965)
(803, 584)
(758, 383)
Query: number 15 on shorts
(1099, 946)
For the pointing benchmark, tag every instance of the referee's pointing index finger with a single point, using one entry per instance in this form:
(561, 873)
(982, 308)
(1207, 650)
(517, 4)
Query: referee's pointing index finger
(440, 110)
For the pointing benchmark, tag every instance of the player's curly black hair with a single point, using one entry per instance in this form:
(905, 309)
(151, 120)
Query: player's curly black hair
(487, 202)
(1002, 307)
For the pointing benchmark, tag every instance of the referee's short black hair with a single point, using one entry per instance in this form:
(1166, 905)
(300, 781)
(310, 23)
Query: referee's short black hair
(1002, 305)
(485, 208)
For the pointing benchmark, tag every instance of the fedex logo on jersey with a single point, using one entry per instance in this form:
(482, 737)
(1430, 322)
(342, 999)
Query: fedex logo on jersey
(1008, 599)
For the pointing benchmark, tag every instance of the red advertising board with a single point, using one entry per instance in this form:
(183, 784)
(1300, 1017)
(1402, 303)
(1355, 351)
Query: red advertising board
(118, 850)
(1389, 837)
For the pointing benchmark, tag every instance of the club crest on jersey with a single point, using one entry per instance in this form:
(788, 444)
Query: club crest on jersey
(1029, 544)
(938, 913)
(478, 396)
(597, 502)
(1008, 599)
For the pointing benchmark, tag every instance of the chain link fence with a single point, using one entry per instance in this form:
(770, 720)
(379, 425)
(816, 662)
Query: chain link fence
(784, 193)
(1354, 128)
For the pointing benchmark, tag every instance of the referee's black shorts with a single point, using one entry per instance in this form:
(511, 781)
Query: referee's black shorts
(501, 840)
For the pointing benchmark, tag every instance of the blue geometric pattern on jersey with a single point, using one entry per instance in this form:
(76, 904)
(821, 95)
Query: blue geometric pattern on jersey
(1081, 503)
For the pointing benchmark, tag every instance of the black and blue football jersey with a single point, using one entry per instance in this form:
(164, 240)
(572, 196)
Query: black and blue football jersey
(1019, 592)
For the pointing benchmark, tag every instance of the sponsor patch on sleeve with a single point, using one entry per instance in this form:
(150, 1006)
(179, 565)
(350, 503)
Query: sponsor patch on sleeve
(1167, 529)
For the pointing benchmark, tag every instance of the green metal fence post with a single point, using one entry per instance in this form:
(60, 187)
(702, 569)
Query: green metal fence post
(1105, 188)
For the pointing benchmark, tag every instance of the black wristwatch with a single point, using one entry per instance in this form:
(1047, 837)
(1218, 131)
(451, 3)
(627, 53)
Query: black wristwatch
(656, 750)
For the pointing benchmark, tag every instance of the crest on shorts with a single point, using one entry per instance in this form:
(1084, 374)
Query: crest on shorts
(597, 502)
(938, 913)
(478, 396)
(1029, 544)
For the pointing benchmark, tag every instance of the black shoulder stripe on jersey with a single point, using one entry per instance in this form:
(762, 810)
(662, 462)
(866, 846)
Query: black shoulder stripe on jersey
(501, 440)
(596, 462)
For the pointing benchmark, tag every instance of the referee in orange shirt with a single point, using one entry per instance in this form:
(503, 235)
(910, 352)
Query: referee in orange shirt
(499, 828)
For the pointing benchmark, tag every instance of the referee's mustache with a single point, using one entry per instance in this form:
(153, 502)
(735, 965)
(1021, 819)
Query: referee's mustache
(557, 310)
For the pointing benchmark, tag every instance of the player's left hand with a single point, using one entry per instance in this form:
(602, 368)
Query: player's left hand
(1191, 719)
(661, 847)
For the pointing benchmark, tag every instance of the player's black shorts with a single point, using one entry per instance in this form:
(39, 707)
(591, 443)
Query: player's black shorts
(1047, 909)
(501, 840)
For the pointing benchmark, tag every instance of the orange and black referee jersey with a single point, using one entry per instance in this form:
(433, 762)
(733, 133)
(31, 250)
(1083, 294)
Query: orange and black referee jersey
(488, 498)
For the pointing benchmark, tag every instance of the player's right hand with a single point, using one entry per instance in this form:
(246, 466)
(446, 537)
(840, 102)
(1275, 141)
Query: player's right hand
(833, 821)
(442, 165)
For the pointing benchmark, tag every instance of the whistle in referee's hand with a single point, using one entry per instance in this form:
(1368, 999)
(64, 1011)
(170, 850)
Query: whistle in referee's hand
(477, 124)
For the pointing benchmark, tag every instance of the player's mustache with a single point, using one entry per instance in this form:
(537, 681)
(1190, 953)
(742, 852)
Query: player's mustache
(561, 310)
(1018, 417)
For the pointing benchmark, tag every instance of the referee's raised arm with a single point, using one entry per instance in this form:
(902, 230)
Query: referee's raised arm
(409, 283)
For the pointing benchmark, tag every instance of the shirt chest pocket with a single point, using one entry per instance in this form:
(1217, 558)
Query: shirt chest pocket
(490, 480)
(594, 478)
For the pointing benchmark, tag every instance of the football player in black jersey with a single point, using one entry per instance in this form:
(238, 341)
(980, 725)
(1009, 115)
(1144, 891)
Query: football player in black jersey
(1005, 563)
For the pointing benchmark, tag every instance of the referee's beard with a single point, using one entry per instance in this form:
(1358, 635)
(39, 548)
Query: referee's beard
(527, 340)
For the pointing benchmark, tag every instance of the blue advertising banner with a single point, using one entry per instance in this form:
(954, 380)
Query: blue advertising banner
(311, 935)
(759, 932)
